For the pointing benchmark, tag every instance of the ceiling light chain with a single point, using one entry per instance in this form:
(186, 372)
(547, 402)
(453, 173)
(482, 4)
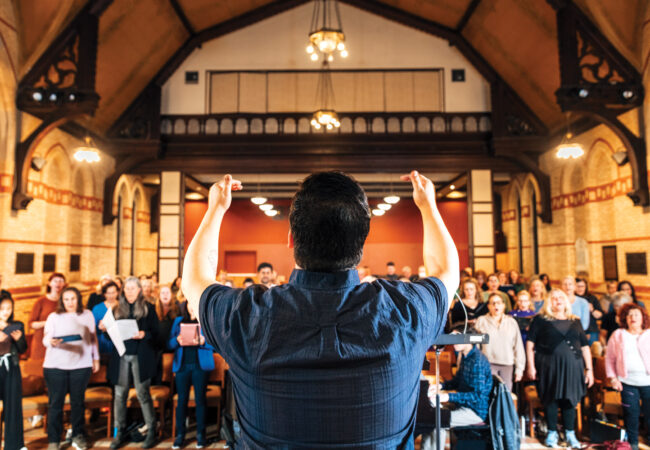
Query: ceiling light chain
(326, 31)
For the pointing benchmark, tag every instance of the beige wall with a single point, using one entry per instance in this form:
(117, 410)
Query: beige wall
(279, 43)
(588, 203)
(65, 216)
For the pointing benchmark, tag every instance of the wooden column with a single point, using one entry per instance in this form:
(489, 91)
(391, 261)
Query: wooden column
(170, 234)
(481, 221)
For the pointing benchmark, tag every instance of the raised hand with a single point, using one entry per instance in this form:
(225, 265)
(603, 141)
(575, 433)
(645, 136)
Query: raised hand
(424, 192)
(221, 193)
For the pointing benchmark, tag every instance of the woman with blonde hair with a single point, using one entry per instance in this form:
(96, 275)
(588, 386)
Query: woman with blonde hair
(538, 294)
(472, 300)
(559, 360)
(167, 311)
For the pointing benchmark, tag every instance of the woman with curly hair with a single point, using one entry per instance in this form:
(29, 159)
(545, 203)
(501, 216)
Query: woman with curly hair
(627, 362)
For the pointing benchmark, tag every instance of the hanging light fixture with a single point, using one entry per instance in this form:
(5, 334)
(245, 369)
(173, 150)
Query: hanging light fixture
(378, 212)
(568, 149)
(326, 32)
(384, 206)
(325, 116)
(88, 153)
(258, 199)
(271, 212)
(266, 207)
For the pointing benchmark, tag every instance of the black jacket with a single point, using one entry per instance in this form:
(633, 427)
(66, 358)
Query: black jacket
(146, 349)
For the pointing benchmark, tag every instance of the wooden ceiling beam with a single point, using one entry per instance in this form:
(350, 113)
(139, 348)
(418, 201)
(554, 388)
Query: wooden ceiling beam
(178, 9)
(467, 15)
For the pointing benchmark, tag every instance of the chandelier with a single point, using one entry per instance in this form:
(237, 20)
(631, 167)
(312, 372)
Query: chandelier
(326, 32)
(568, 149)
(325, 116)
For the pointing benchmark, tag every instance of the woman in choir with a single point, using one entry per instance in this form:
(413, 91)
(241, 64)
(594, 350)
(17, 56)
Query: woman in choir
(43, 307)
(559, 360)
(167, 311)
(538, 294)
(70, 358)
(627, 288)
(98, 296)
(523, 313)
(473, 302)
(505, 351)
(547, 282)
(139, 360)
(12, 344)
(596, 313)
(193, 361)
(627, 362)
(110, 292)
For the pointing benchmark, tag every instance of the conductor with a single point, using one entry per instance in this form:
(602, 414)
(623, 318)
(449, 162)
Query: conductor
(324, 361)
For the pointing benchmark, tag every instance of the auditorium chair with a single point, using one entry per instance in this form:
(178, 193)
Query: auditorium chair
(214, 394)
(606, 400)
(160, 394)
(534, 403)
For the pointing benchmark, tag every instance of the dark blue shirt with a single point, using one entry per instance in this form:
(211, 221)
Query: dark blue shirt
(324, 361)
(473, 381)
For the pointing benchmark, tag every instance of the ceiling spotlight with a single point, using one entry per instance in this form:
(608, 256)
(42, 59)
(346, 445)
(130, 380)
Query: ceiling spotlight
(628, 94)
(258, 200)
(38, 96)
(583, 93)
(384, 206)
(53, 97)
(452, 187)
(72, 97)
(271, 213)
(391, 199)
(266, 207)
(378, 212)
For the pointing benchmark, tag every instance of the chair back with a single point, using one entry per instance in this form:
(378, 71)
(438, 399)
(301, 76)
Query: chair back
(218, 375)
(99, 377)
(167, 364)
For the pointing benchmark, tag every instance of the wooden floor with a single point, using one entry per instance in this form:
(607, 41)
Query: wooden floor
(37, 439)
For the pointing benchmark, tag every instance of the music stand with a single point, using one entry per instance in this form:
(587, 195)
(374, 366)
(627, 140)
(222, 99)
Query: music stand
(438, 346)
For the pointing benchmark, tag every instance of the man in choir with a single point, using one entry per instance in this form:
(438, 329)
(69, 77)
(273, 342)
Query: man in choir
(301, 355)
(265, 274)
(391, 274)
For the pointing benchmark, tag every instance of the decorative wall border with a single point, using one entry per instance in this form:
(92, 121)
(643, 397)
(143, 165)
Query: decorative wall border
(70, 244)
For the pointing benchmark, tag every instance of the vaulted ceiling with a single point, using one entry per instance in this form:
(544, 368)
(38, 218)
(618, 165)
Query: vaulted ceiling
(137, 38)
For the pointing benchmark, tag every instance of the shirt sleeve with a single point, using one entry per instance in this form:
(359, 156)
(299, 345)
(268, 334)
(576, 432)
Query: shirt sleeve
(215, 308)
(432, 302)
(533, 329)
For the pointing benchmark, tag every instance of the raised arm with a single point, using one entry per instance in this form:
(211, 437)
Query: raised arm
(200, 265)
(439, 251)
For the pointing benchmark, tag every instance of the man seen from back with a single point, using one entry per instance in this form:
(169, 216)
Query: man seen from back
(325, 361)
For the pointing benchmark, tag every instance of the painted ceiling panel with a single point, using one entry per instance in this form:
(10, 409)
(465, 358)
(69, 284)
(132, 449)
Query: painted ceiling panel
(136, 38)
(203, 14)
(519, 40)
(445, 12)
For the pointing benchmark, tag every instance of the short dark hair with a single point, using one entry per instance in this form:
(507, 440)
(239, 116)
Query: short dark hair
(264, 265)
(249, 280)
(329, 221)
(390, 263)
(6, 296)
(60, 308)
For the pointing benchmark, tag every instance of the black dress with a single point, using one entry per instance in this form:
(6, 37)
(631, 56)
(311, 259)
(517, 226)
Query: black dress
(558, 359)
(457, 314)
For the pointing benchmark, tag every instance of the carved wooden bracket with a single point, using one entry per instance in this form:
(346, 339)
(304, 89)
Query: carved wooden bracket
(599, 82)
(59, 87)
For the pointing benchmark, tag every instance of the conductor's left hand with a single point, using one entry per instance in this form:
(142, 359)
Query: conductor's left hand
(221, 193)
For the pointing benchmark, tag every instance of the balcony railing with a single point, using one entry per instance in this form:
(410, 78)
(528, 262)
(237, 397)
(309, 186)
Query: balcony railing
(299, 123)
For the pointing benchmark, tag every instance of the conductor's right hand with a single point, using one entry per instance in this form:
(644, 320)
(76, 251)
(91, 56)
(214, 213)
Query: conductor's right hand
(424, 193)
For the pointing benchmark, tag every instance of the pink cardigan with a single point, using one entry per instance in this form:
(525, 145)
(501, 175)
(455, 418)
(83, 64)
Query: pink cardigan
(614, 361)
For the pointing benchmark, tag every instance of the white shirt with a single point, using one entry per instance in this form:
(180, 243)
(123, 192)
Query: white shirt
(636, 371)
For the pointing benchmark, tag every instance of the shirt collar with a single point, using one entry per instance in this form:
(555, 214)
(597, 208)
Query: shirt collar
(323, 280)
